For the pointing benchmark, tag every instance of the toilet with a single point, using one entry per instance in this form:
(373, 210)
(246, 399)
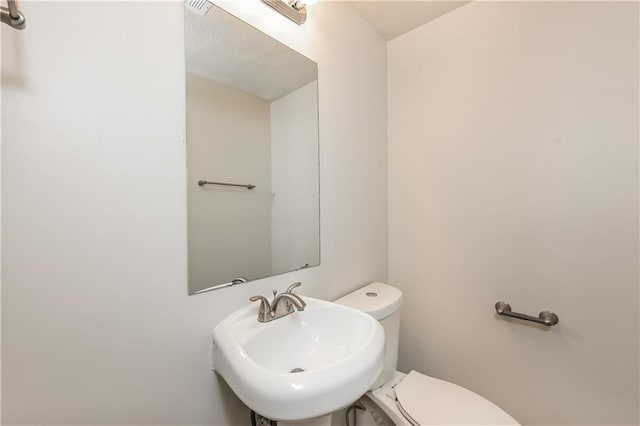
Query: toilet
(412, 399)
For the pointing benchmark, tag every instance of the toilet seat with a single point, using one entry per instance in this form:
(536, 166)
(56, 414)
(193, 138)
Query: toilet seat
(417, 399)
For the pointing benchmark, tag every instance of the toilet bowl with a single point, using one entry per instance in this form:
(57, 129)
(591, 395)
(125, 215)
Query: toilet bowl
(413, 399)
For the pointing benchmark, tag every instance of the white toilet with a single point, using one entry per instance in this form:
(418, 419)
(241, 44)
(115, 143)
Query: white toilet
(413, 399)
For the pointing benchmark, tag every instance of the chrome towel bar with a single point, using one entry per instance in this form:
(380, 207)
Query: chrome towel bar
(545, 317)
(206, 182)
(12, 16)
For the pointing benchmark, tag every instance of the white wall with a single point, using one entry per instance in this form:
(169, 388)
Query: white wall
(513, 175)
(97, 326)
(228, 140)
(294, 176)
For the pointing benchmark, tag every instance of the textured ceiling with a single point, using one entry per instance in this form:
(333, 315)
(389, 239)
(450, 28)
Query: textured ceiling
(223, 48)
(392, 18)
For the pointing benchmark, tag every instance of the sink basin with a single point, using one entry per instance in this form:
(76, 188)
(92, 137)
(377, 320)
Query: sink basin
(304, 365)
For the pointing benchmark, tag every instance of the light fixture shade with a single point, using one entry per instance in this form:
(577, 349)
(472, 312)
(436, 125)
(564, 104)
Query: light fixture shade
(297, 12)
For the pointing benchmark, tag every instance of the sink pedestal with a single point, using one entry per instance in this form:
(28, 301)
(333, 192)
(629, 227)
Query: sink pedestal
(316, 421)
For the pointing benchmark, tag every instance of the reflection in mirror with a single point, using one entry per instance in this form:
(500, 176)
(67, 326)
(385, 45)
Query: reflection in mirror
(252, 152)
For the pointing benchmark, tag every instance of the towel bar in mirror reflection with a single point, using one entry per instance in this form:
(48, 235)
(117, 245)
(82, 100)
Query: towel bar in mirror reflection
(206, 182)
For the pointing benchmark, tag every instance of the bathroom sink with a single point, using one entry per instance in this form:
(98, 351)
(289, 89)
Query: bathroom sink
(304, 365)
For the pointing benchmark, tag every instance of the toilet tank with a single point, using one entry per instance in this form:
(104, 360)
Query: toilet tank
(382, 302)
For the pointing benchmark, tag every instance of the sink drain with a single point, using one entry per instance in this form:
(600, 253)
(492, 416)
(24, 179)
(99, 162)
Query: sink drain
(297, 370)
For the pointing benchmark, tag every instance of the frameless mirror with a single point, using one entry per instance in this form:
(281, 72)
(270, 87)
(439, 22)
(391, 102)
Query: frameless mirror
(252, 152)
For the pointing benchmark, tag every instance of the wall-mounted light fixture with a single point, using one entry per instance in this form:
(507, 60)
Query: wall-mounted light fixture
(292, 9)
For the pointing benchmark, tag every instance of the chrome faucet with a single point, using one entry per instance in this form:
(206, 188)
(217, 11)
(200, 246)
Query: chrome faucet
(281, 305)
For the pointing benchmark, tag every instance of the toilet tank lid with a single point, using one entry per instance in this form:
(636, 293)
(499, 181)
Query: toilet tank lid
(377, 299)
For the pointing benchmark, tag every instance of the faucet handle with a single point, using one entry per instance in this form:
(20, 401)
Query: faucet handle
(265, 306)
(292, 286)
(265, 313)
(295, 296)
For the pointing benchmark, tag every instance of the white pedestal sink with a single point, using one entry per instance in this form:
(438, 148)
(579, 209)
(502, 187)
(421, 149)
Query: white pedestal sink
(339, 350)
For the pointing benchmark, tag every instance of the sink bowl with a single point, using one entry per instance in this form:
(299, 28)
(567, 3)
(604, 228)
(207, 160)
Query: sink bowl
(304, 365)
